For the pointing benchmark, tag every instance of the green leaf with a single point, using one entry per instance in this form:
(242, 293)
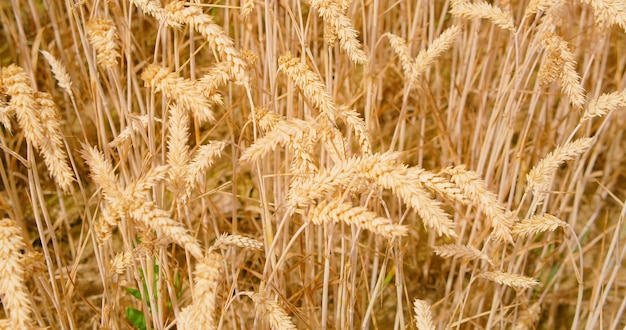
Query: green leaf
(135, 293)
(136, 317)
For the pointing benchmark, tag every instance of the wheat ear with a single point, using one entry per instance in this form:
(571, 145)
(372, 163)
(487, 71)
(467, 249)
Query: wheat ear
(537, 224)
(23, 104)
(313, 88)
(483, 10)
(154, 218)
(60, 73)
(214, 34)
(508, 279)
(341, 175)
(310, 84)
(226, 240)
(52, 148)
(202, 159)
(535, 6)
(464, 252)
(528, 318)
(102, 173)
(409, 188)
(414, 68)
(177, 148)
(476, 191)
(423, 315)
(560, 56)
(13, 290)
(540, 177)
(118, 265)
(102, 35)
(332, 13)
(604, 104)
(200, 314)
(335, 210)
(184, 91)
(608, 12)
(276, 316)
(137, 123)
(282, 135)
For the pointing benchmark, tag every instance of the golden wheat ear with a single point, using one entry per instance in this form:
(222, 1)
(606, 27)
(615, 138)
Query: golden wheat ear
(12, 277)
(423, 315)
(275, 315)
(201, 313)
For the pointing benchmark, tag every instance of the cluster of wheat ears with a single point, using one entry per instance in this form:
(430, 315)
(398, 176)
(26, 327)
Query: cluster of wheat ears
(317, 164)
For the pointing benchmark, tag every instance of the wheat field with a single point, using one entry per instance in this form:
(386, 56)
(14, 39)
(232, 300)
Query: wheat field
(317, 164)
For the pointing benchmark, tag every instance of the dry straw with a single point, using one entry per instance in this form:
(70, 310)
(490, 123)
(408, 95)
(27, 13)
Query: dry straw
(13, 289)
(335, 211)
(423, 315)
